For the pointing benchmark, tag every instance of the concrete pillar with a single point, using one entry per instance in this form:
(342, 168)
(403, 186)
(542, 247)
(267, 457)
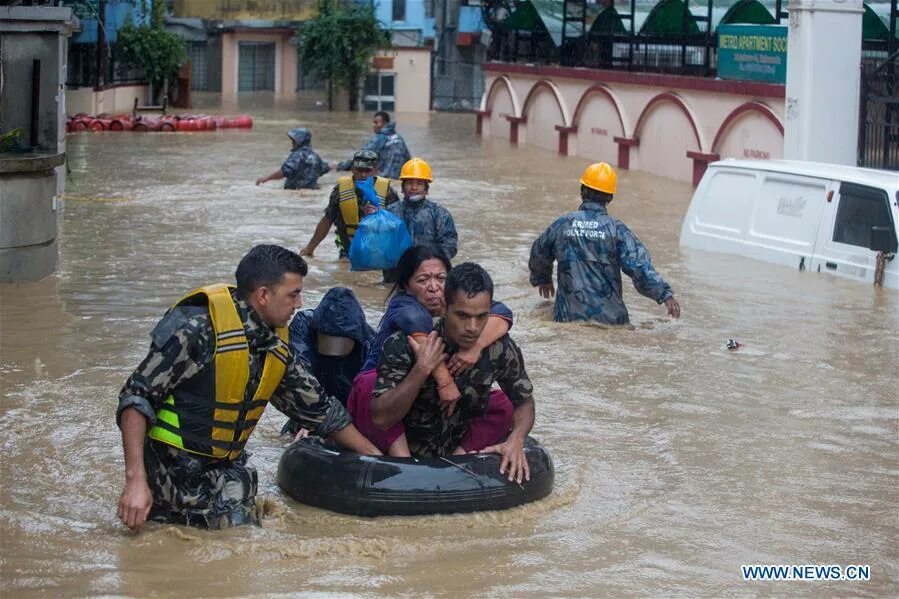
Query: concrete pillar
(32, 44)
(824, 48)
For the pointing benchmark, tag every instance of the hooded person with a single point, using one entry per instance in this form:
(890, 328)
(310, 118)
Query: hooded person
(303, 166)
(332, 341)
(428, 223)
(387, 144)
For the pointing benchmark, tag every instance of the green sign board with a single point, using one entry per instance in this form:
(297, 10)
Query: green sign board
(753, 52)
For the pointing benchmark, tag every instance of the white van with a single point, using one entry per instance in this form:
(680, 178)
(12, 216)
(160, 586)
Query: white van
(806, 215)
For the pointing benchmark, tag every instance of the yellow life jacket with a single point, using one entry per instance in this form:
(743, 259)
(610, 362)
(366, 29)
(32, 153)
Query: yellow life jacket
(209, 414)
(349, 205)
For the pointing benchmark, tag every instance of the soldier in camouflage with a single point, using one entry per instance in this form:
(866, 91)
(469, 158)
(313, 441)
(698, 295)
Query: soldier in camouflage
(592, 250)
(303, 166)
(362, 194)
(405, 389)
(387, 144)
(184, 457)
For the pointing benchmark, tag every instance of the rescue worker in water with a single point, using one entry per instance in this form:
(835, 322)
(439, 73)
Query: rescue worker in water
(352, 199)
(217, 358)
(593, 249)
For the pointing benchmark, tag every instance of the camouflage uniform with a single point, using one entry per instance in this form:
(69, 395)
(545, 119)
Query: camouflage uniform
(334, 215)
(193, 489)
(428, 430)
(303, 166)
(391, 150)
(428, 224)
(592, 249)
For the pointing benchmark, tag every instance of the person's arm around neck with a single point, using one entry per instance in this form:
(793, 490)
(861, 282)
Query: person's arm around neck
(462, 360)
(392, 406)
(497, 326)
(136, 500)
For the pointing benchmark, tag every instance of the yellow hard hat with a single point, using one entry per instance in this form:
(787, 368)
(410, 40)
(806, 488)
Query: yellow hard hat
(601, 177)
(416, 169)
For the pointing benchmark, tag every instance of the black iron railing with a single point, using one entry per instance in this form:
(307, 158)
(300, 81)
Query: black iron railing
(878, 131)
(84, 67)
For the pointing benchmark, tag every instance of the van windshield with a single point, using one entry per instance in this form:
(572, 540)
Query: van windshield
(860, 209)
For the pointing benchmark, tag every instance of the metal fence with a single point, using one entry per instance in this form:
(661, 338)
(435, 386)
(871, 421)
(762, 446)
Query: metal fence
(84, 67)
(681, 55)
(456, 85)
(878, 132)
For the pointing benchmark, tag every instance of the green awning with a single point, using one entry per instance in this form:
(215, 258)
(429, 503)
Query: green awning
(532, 15)
(750, 12)
(608, 21)
(667, 18)
(873, 27)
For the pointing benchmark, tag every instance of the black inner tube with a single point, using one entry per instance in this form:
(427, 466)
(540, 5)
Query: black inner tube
(326, 476)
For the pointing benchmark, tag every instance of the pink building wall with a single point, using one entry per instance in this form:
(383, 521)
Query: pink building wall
(285, 58)
(668, 125)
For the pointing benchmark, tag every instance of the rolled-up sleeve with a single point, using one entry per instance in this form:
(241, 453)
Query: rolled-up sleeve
(511, 375)
(301, 397)
(501, 310)
(395, 364)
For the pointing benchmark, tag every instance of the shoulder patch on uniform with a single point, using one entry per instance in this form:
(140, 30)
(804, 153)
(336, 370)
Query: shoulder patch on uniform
(176, 319)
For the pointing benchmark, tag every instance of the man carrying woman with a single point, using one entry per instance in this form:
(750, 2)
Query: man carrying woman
(410, 404)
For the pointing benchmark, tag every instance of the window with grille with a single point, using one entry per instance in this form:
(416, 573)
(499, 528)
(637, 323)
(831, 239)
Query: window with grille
(399, 10)
(379, 92)
(256, 67)
(198, 53)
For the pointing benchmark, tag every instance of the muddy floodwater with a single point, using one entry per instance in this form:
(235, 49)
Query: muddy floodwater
(677, 461)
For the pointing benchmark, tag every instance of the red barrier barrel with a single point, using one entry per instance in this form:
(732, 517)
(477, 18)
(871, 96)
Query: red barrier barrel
(243, 121)
(120, 124)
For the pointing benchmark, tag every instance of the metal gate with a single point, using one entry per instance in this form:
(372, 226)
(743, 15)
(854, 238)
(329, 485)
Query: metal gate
(878, 135)
(457, 85)
(256, 67)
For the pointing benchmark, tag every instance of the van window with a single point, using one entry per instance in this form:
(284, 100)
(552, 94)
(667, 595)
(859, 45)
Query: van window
(860, 209)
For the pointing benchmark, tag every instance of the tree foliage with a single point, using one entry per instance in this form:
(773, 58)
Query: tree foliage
(149, 47)
(338, 46)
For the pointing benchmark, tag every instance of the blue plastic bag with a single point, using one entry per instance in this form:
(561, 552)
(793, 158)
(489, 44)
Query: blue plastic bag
(369, 195)
(380, 240)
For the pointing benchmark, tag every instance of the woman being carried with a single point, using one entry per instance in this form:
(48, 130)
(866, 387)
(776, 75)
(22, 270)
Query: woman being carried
(415, 300)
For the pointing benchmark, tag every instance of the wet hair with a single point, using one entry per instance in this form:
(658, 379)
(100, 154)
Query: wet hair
(468, 277)
(384, 116)
(265, 266)
(588, 194)
(412, 259)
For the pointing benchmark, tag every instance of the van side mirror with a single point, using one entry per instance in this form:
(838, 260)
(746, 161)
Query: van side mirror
(883, 239)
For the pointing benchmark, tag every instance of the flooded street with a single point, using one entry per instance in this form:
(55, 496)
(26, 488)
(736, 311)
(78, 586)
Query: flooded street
(677, 461)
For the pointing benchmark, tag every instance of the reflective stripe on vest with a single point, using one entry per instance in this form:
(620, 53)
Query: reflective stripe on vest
(349, 204)
(232, 418)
